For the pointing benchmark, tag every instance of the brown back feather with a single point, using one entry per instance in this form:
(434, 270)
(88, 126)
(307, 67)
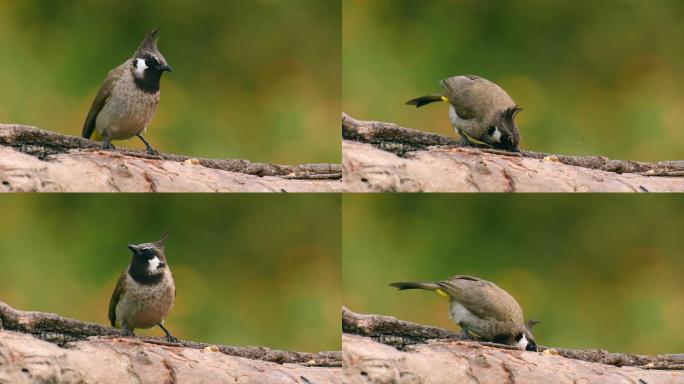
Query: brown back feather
(475, 97)
(483, 298)
(103, 95)
(116, 296)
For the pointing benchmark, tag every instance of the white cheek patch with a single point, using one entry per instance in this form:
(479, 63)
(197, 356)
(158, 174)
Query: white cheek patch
(496, 135)
(522, 343)
(140, 67)
(153, 264)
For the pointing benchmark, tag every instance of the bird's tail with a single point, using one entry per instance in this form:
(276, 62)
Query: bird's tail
(410, 285)
(425, 100)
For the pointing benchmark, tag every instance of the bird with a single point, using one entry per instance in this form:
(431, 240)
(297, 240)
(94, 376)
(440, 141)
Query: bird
(145, 291)
(479, 306)
(128, 98)
(481, 112)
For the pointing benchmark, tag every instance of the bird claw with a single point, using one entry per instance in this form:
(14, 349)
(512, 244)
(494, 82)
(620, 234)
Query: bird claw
(172, 339)
(107, 146)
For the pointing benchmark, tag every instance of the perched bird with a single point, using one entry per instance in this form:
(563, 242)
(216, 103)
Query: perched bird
(481, 307)
(128, 98)
(145, 292)
(481, 112)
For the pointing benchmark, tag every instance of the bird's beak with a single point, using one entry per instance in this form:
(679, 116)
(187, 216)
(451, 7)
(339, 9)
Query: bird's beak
(161, 264)
(165, 68)
(133, 248)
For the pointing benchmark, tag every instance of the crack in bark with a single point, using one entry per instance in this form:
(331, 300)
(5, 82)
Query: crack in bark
(510, 377)
(172, 372)
(509, 178)
(150, 181)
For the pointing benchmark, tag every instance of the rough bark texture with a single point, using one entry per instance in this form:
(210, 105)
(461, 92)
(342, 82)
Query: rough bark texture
(43, 347)
(382, 349)
(35, 160)
(383, 157)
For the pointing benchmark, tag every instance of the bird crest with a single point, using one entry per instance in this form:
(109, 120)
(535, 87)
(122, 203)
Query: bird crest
(161, 243)
(149, 44)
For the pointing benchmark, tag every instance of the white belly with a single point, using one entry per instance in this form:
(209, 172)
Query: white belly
(456, 122)
(460, 314)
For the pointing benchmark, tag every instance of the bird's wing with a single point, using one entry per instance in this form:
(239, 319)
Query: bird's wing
(474, 97)
(116, 296)
(458, 90)
(481, 297)
(101, 99)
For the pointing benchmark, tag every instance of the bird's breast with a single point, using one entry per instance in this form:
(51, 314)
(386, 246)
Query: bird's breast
(144, 306)
(486, 328)
(126, 113)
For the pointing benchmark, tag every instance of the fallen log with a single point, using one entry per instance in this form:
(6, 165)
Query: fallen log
(384, 157)
(382, 349)
(35, 160)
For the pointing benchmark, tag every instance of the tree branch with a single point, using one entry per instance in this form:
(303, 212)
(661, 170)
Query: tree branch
(383, 350)
(53, 160)
(380, 156)
(62, 331)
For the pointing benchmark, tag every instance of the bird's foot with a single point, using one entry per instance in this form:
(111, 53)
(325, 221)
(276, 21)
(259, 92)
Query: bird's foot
(466, 334)
(150, 150)
(107, 146)
(128, 332)
(171, 338)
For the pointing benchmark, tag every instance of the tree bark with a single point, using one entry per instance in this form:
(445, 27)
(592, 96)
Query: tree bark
(43, 347)
(383, 349)
(41, 161)
(384, 157)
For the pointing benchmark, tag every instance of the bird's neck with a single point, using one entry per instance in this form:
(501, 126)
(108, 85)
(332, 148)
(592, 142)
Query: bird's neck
(149, 82)
(140, 274)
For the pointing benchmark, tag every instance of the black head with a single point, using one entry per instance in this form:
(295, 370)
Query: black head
(149, 64)
(522, 341)
(148, 261)
(503, 133)
(526, 338)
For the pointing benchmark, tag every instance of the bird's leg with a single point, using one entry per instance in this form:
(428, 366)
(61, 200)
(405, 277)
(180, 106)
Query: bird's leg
(466, 334)
(106, 143)
(127, 331)
(150, 150)
(463, 140)
(169, 336)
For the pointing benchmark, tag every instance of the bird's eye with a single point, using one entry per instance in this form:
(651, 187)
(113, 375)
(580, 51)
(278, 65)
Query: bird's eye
(151, 62)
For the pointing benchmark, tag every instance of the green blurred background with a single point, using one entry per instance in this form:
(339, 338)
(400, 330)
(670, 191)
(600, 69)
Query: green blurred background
(253, 79)
(249, 269)
(603, 78)
(598, 272)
